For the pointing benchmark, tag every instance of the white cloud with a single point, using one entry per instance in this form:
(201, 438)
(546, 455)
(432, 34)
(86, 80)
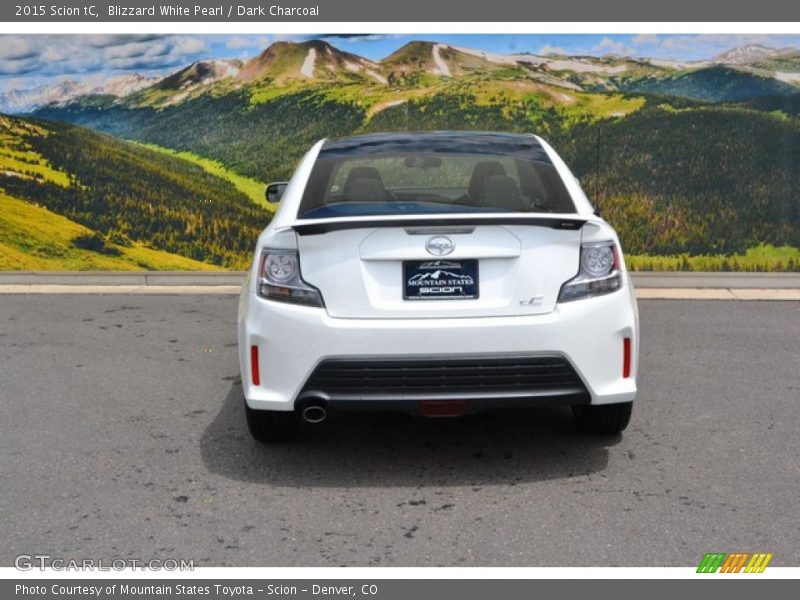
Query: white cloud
(705, 46)
(242, 42)
(62, 55)
(358, 37)
(136, 50)
(13, 47)
(189, 45)
(18, 67)
(51, 54)
(646, 39)
(108, 40)
(609, 46)
(677, 43)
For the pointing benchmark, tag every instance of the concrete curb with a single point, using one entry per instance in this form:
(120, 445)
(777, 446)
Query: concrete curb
(122, 278)
(641, 280)
(641, 294)
(649, 286)
(716, 294)
(122, 289)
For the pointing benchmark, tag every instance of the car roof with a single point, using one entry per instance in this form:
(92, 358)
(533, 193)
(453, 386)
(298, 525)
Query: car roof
(460, 142)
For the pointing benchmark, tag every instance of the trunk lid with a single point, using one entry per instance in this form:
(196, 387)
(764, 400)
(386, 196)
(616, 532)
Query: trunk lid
(364, 268)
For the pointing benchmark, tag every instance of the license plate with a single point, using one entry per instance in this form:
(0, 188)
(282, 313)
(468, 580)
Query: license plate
(440, 280)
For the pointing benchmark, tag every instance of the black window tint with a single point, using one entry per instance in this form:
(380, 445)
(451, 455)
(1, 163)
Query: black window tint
(433, 173)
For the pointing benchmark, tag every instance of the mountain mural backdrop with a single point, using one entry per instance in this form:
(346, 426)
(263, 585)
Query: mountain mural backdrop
(697, 164)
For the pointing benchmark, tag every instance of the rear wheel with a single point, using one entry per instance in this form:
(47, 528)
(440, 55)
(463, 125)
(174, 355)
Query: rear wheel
(603, 419)
(271, 425)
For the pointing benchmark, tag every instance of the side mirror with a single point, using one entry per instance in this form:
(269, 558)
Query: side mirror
(274, 191)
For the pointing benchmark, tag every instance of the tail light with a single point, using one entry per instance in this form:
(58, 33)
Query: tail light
(279, 279)
(598, 274)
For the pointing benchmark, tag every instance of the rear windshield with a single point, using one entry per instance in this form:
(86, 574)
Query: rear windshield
(398, 182)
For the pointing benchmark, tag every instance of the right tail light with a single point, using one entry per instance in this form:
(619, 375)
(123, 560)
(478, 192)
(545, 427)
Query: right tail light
(599, 273)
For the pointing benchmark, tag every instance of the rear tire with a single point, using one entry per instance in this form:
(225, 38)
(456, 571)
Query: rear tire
(603, 419)
(268, 426)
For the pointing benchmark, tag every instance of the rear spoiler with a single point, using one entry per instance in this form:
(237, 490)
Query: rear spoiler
(322, 226)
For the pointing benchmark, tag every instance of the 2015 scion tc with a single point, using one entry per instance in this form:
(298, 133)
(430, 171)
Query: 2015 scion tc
(440, 274)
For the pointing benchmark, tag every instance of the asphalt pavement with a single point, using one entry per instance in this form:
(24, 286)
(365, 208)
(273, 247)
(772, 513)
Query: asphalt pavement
(123, 435)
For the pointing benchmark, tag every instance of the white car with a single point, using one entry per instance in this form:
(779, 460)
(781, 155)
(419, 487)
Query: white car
(440, 274)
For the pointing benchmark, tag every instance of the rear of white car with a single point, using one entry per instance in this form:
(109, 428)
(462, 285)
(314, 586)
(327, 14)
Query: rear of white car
(439, 274)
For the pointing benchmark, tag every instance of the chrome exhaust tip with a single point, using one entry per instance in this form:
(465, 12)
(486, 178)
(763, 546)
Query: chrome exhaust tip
(314, 413)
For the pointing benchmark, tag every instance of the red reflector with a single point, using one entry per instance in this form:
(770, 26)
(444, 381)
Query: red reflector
(443, 408)
(626, 357)
(254, 365)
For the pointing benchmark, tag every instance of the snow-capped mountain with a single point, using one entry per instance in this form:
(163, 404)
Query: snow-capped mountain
(124, 85)
(757, 70)
(200, 73)
(25, 101)
(304, 61)
(22, 101)
(745, 55)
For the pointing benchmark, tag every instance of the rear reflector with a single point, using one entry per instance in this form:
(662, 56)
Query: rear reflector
(626, 357)
(443, 408)
(254, 365)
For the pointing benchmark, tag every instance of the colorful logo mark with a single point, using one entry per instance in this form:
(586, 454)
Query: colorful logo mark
(734, 562)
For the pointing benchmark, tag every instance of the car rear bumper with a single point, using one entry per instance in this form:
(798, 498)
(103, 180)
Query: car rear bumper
(459, 383)
(294, 342)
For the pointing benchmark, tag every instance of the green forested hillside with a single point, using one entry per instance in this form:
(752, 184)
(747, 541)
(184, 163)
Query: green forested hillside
(126, 195)
(715, 84)
(700, 161)
(32, 238)
(706, 180)
(697, 178)
(701, 180)
(252, 188)
(263, 141)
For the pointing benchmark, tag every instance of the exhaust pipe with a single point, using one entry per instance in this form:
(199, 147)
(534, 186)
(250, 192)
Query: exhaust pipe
(314, 413)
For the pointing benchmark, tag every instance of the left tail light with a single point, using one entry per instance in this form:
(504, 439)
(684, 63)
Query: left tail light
(279, 279)
(599, 273)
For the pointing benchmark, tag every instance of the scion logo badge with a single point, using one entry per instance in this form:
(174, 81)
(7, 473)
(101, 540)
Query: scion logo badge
(735, 562)
(440, 245)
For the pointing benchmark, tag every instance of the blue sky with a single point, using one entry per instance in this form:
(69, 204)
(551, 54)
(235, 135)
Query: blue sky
(27, 61)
